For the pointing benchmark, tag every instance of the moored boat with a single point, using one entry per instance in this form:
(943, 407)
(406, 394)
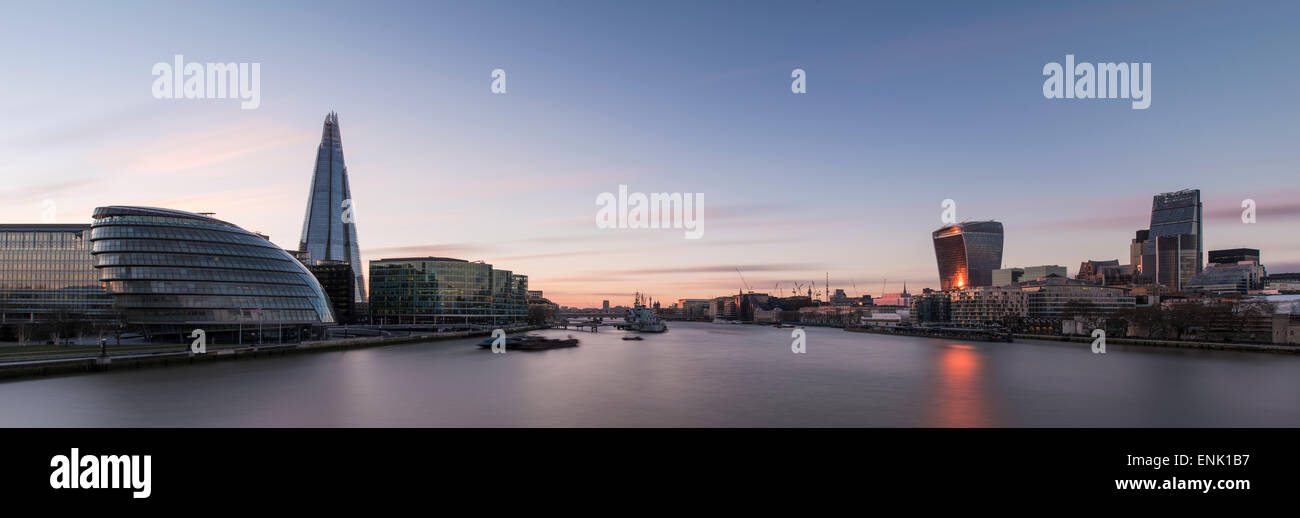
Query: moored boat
(531, 343)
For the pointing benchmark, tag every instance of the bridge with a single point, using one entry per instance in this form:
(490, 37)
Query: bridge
(606, 315)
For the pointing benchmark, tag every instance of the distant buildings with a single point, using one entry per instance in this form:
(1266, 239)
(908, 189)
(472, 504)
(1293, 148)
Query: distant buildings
(171, 271)
(329, 232)
(1283, 282)
(1091, 270)
(693, 309)
(967, 253)
(1009, 276)
(445, 291)
(931, 306)
(1234, 256)
(1230, 271)
(902, 299)
(1062, 300)
(1172, 253)
(986, 304)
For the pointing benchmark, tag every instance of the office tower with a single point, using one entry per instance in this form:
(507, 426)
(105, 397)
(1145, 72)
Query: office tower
(336, 278)
(1136, 248)
(445, 292)
(967, 253)
(170, 272)
(48, 275)
(329, 232)
(1172, 255)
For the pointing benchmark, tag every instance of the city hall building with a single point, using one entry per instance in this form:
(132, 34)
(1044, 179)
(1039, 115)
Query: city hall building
(170, 272)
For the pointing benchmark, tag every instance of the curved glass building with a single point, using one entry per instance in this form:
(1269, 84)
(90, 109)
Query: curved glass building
(968, 253)
(170, 272)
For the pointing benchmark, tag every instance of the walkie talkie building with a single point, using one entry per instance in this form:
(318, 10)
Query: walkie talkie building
(329, 232)
(968, 253)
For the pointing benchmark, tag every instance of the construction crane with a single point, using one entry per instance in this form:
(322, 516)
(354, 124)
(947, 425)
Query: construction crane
(855, 288)
(742, 280)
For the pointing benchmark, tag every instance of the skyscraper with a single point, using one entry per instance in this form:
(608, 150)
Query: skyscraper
(1173, 253)
(968, 253)
(329, 232)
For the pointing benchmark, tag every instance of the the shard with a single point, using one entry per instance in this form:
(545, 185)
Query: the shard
(329, 232)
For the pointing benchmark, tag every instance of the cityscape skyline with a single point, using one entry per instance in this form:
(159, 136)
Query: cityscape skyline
(510, 179)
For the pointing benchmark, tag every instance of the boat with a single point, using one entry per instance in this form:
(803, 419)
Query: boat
(632, 337)
(642, 319)
(531, 343)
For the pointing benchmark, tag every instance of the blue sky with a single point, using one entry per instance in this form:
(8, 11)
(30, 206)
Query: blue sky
(907, 104)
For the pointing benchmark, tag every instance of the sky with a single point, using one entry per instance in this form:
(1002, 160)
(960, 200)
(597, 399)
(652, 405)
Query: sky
(907, 104)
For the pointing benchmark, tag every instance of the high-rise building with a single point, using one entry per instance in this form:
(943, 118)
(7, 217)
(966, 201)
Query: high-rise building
(170, 272)
(329, 232)
(1172, 255)
(967, 253)
(1136, 248)
(336, 278)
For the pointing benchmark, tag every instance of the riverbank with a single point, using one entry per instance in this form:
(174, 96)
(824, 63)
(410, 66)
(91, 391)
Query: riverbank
(52, 363)
(1217, 346)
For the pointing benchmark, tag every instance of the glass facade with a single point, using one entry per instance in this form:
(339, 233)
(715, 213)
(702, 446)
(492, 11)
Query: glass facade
(967, 254)
(1176, 241)
(329, 232)
(445, 291)
(1062, 301)
(47, 273)
(170, 271)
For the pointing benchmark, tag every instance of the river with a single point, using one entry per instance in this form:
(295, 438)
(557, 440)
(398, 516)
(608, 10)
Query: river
(697, 374)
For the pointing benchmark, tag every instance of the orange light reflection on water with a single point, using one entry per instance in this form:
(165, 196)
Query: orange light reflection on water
(958, 399)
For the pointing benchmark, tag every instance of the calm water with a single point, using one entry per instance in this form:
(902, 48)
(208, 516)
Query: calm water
(694, 375)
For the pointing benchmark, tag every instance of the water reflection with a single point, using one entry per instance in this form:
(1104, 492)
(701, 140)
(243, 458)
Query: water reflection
(958, 395)
(694, 375)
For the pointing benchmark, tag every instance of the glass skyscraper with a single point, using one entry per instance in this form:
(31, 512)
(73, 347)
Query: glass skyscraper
(171, 271)
(967, 253)
(1176, 243)
(329, 232)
